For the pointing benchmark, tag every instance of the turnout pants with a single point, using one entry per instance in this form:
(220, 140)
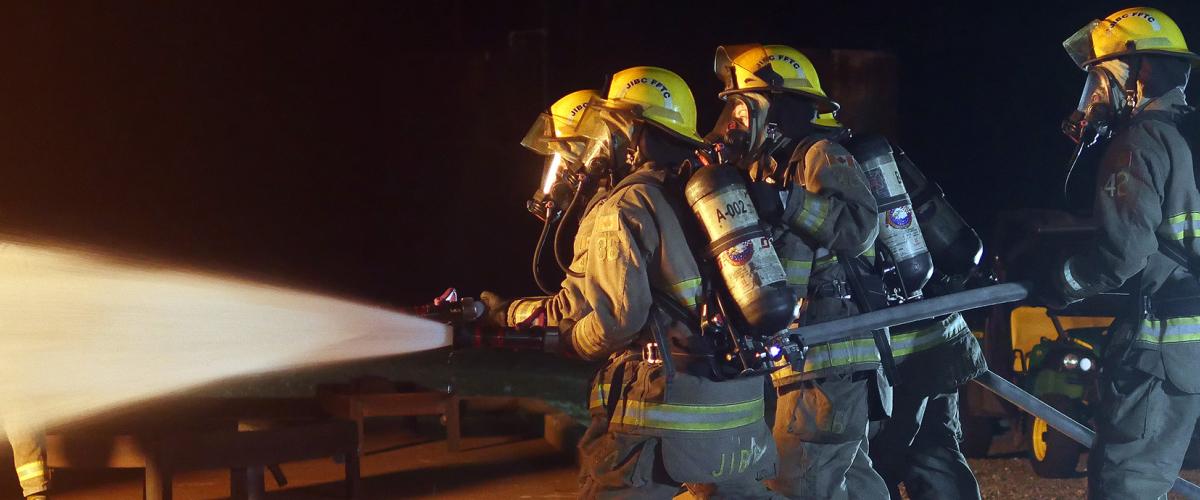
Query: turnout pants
(1144, 427)
(919, 446)
(648, 438)
(821, 433)
(618, 466)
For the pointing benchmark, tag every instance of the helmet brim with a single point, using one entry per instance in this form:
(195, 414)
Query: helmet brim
(1188, 55)
(824, 103)
(693, 138)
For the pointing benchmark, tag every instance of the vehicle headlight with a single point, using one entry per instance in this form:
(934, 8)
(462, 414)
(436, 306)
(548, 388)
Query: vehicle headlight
(1086, 364)
(1070, 361)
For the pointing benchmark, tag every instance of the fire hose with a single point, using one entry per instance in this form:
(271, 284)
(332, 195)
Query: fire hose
(468, 335)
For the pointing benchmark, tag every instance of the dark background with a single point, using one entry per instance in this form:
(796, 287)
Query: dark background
(369, 149)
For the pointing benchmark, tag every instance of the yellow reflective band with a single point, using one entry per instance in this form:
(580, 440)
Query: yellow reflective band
(599, 396)
(825, 261)
(1195, 233)
(1171, 331)
(836, 354)
(909, 343)
(812, 214)
(832, 355)
(932, 335)
(676, 417)
(31, 470)
(1185, 225)
(798, 271)
(869, 253)
(688, 291)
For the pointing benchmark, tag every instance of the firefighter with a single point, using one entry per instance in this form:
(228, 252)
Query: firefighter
(565, 189)
(1147, 210)
(659, 419)
(29, 458)
(918, 445)
(812, 191)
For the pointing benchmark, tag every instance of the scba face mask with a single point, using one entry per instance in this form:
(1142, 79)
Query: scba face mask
(1102, 101)
(555, 189)
(611, 128)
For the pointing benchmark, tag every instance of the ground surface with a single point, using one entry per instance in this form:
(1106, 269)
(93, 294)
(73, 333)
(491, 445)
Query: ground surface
(407, 463)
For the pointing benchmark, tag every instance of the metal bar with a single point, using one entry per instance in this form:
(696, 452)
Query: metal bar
(1060, 422)
(855, 326)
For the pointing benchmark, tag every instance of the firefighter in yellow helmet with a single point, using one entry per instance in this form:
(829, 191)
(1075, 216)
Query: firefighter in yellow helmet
(918, 445)
(562, 193)
(1133, 118)
(812, 191)
(659, 418)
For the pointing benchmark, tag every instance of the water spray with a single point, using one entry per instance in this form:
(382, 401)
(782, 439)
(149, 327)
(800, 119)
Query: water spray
(82, 333)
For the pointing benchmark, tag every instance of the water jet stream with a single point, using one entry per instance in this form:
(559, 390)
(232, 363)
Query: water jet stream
(81, 333)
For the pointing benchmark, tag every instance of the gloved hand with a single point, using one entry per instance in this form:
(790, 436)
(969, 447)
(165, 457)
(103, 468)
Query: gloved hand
(1049, 288)
(496, 309)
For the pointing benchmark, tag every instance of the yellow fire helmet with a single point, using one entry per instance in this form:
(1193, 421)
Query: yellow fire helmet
(660, 97)
(566, 111)
(770, 68)
(554, 130)
(827, 120)
(1139, 30)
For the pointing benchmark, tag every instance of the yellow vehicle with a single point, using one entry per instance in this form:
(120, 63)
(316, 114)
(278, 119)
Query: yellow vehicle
(1056, 358)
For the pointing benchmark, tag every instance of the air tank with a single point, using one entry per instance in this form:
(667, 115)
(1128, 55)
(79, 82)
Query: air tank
(899, 230)
(953, 244)
(742, 248)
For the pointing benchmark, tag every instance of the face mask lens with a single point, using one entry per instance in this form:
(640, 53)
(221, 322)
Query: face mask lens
(1095, 110)
(1096, 90)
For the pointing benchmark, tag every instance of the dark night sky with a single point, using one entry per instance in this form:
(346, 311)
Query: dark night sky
(370, 149)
